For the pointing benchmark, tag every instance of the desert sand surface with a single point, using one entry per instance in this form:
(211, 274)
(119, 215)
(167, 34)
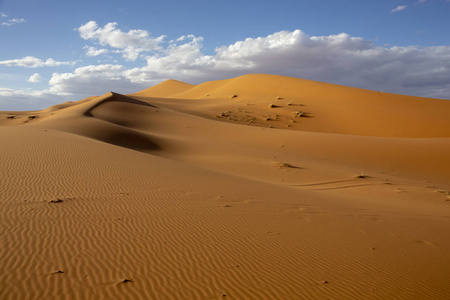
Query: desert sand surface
(255, 187)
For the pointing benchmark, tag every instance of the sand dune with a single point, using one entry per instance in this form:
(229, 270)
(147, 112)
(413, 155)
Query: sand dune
(330, 108)
(256, 187)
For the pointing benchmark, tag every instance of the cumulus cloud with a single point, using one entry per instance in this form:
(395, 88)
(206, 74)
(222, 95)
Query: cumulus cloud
(92, 80)
(92, 51)
(33, 62)
(130, 43)
(36, 77)
(185, 61)
(398, 8)
(13, 22)
(3, 15)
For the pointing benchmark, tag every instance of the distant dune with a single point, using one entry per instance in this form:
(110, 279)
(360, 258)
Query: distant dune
(255, 187)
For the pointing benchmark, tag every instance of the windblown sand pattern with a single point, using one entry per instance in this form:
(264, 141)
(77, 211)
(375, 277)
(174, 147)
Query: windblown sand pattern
(256, 187)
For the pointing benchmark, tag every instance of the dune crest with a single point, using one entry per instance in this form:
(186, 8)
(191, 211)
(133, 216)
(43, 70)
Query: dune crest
(255, 187)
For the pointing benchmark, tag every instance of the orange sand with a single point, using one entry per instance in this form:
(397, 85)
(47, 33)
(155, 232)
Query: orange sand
(256, 187)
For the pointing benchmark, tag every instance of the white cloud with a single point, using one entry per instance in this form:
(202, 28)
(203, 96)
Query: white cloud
(3, 15)
(92, 51)
(398, 8)
(13, 22)
(185, 61)
(36, 77)
(131, 43)
(181, 38)
(33, 62)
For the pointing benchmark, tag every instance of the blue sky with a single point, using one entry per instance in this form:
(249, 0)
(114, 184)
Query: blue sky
(54, 50)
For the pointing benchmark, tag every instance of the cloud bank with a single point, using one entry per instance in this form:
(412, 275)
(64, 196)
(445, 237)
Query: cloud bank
(340, 59)
(94, 80)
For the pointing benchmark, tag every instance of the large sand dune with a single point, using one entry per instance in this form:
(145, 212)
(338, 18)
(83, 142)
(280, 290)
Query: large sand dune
(256, 187)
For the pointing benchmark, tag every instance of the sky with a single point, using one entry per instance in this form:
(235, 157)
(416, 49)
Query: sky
(52, 51)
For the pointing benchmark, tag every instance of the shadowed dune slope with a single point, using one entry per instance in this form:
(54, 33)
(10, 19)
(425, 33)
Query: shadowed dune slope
(256, 187)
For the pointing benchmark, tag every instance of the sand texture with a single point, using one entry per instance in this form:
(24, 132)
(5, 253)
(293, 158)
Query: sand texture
(256, 187)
